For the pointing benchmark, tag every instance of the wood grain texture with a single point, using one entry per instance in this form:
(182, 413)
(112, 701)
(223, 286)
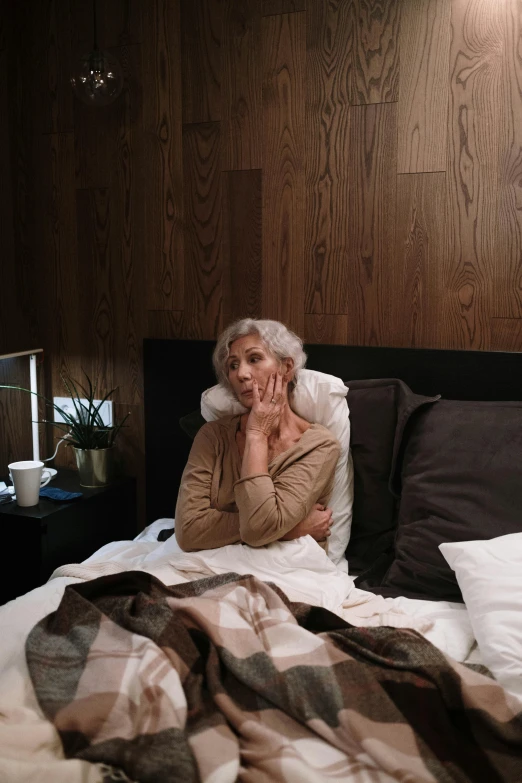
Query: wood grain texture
(128, 238)
(376, 55)
(270, 7)
(120, 22)
(242, 245)
(129, 454)
(421, 249)
(59, 63)
(424, 43)
(203, 228)
(95, 142)
(165, 324)
(60, 307)
(25, 330)
(241, 117)
(506, 334)
(284, 58)
(328, 329)
(8, 318)
(371, 222)
(163, 185)
(201, 56)
(96, 277)
(476, 84)
(328, 95)
(507, 288)
(16, 441)
(97, 130)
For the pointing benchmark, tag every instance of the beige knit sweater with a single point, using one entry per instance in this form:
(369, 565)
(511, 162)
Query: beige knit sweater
(216, 507)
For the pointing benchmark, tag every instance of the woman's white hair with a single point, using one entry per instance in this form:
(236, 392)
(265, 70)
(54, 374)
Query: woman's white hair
(279, 340)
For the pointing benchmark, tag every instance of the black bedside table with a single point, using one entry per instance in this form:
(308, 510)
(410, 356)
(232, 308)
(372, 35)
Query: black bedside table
(38, 539)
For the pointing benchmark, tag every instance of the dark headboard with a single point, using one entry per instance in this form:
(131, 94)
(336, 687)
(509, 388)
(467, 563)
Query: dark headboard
(177, 371)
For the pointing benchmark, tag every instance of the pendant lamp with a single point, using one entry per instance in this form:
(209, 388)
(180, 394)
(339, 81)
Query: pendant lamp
(98, 78)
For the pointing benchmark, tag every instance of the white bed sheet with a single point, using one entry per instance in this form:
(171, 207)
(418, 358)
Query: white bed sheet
(22, 724)
(451, 631)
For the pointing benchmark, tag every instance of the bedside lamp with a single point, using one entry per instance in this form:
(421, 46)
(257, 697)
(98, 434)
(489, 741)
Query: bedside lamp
(34, 388)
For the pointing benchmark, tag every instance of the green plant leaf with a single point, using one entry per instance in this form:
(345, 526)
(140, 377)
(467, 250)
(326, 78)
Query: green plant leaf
(86, 430)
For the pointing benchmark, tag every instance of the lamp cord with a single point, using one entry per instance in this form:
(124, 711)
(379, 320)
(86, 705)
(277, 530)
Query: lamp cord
(57, 447)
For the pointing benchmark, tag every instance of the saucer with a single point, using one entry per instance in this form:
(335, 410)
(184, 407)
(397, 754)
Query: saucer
(52, 471)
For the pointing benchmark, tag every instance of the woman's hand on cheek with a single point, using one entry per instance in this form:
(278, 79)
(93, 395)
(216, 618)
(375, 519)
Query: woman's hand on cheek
(265, 413)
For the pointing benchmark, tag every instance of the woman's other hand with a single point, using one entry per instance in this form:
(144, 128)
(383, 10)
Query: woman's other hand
(265, 413)
(317, 524)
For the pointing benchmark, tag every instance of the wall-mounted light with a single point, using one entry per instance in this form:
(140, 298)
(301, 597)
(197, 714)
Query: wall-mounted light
(34, 392)
(98, 78)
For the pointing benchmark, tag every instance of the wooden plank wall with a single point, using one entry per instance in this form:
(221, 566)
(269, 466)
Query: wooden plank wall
(352, 167)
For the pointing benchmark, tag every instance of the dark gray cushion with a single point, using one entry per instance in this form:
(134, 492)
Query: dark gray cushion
(461, 476)
(379, 411)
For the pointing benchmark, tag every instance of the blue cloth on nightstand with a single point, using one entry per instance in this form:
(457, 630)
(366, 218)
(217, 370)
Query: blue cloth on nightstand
(53, 493)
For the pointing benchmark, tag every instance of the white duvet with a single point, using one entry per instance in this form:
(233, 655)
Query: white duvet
(29, 745)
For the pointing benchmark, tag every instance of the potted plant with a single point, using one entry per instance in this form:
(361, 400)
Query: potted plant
(85, 430)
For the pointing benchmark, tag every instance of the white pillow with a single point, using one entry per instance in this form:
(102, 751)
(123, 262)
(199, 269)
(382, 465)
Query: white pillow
(489, 574)
(318, 398)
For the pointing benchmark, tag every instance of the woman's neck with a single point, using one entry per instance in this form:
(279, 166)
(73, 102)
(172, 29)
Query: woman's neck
(290, 425)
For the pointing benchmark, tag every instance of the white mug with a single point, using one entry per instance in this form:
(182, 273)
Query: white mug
(27, 477)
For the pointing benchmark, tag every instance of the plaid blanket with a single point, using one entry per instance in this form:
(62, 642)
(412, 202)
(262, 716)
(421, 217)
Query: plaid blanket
(223, 679)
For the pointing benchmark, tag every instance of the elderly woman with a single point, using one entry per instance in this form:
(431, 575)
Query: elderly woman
(265, 475)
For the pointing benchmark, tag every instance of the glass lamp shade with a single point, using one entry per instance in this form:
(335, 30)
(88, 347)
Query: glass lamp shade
(98, 78)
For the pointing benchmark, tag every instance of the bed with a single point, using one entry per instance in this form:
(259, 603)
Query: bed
(146, 663)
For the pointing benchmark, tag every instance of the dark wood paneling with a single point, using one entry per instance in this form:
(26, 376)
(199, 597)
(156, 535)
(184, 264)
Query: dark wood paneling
(163, 185)
(8, 325)
(95, 141)
(58, 98)
(283, 6)
(203, 263)
(376, 55)
(241, 89)
(96, 275)
(475, 138)
(242, 245)
(128, 241)
(24, 61)
(506, 334)
(421, 249)
(63, 292)
(96, 238)
(129, 445)
(120, 22)
(165, 324)
(16, 442)
(284, 56)
(328, 94)
(201, 31)
(371, 222)
(328, 329)
(424, 90)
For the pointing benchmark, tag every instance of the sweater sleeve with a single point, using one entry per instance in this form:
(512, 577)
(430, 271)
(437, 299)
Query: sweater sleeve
(198, 526)
(270, 507)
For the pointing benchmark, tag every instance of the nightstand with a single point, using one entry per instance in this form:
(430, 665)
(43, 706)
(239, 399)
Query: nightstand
(38, 539)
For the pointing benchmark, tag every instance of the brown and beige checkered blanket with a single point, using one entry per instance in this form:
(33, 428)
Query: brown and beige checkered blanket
(223, 679)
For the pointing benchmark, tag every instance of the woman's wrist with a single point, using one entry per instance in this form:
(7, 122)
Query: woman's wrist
(256, 436)
(255, 455)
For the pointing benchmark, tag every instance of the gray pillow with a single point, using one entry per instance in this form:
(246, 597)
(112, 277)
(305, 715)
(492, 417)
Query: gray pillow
(461, 480)
(379, 411)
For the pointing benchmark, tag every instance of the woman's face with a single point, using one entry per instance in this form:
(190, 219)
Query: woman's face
(250, 359)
